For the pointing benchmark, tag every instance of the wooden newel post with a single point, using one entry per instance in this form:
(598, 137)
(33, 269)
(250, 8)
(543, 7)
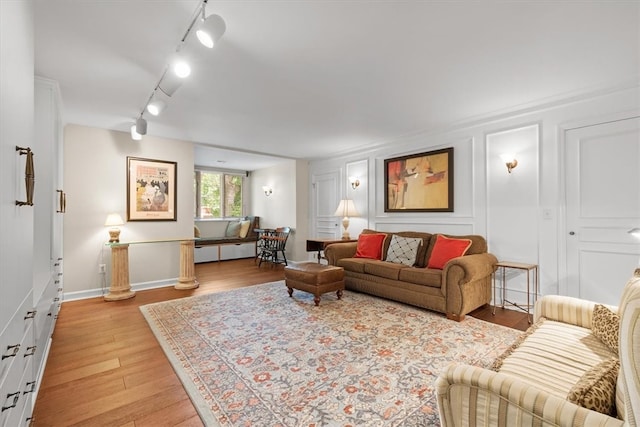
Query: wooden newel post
(187, 279)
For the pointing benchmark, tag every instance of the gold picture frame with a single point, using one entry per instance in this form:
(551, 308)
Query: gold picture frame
(151, 190)
(419, 182)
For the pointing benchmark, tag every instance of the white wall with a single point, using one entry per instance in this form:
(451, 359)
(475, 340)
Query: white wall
(521, 215)
(287, 206)
(95, 171)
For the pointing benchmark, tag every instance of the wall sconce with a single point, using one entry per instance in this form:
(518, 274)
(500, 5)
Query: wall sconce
(114, 220)
(267, 190)
(510, 160)
(635, 232)
(354, 181)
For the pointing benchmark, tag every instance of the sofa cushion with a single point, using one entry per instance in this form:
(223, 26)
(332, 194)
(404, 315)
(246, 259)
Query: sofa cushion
(403, 250)
(353, 264)
(384, 269)
(422, 276)
(370, 246)
(596, 389)
(605, 325)
(555, 356)
(446, 249)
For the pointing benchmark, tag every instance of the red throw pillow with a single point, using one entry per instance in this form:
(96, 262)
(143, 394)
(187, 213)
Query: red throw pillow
(370, 246)
(446, 249)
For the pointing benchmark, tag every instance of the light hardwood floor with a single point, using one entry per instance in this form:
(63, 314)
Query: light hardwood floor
(105, 367)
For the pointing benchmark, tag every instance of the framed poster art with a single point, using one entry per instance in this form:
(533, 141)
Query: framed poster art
(419, 182)
(151, 190)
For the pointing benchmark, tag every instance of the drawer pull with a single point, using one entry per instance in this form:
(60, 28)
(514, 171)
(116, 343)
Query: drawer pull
(59, 274)
(15, 348)
(49, 314)
(32, 387)
(56, 281)
(57, 264)
(56, 299)
(15, 396)
(31, 349)
(59, 259)
(59, 289)
(30, 314)
(55, 317)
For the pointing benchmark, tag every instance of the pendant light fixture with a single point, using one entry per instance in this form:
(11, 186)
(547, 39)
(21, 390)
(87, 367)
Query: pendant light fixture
(208, 31)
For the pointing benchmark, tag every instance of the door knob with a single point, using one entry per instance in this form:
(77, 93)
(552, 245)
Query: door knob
(571, 233)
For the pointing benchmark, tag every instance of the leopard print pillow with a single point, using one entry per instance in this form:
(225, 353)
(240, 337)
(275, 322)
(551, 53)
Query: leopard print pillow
(596, 390)
(605, 325)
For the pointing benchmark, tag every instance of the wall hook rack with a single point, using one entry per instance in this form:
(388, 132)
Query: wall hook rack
(29, 176)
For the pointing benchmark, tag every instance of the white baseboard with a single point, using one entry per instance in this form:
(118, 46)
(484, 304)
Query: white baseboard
(98, 292)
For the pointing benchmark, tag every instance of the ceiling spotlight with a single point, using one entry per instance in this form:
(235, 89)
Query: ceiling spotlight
(141, 126)
(135, 135)
(210, 30)
(181, 68)
(156, 107)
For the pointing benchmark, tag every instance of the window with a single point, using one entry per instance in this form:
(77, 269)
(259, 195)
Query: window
(217, 194)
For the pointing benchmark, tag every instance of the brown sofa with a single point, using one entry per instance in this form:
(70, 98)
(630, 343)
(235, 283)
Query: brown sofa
(462, 286)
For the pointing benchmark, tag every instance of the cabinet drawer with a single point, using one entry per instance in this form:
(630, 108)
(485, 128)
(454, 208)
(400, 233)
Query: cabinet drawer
(12, 345)
(18, 383)
(17, 401)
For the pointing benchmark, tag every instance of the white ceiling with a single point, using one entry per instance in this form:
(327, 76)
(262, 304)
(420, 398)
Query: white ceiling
(310, 79)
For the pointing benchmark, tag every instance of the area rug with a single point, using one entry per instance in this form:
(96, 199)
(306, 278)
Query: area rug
(256, 357)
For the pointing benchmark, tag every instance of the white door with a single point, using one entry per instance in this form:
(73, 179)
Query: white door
(326, 196)
(603, 204)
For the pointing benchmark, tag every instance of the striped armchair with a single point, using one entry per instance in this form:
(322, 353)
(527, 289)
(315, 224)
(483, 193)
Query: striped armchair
(530, 388)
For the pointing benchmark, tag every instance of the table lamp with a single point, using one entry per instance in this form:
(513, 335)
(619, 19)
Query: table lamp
(346, 208)
(114, 220)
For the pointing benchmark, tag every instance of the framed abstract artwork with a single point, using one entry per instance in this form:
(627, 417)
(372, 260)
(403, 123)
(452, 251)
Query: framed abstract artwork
(151, 190)
(419, 182)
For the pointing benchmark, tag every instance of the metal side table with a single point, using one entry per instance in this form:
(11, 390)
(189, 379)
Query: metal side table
(531, 299)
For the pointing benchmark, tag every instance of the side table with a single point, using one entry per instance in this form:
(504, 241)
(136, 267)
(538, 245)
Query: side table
(531, 299)
(319, 245)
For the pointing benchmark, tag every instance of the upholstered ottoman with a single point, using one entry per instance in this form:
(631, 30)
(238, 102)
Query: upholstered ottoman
(314, 278)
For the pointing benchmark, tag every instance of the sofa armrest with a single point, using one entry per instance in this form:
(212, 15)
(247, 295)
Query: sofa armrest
(574, 311)
(466, 283)
(336, 251)
(469, 395)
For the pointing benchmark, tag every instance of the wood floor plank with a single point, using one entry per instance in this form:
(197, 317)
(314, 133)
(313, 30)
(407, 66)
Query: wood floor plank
(105, 366)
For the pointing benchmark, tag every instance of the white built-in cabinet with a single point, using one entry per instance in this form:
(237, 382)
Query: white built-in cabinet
(31, 259)
(48, 213)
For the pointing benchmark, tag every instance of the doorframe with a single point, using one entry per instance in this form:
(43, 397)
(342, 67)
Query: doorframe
(563, 128)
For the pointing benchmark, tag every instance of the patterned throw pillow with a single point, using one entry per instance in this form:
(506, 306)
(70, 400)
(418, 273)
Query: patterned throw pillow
(605, 324)
(403, 250)
(596, 390)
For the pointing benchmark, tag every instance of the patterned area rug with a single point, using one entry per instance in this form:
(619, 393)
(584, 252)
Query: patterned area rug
(255, 357)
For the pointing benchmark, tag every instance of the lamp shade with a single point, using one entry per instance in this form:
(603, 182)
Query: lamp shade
(346, 208)
(113, 220)
(210, 30)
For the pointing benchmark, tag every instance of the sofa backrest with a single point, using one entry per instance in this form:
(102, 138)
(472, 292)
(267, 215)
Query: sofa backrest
(628, 386)
(478, 243)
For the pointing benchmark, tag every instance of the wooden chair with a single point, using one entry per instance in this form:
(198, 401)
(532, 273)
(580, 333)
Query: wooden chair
(273, 244)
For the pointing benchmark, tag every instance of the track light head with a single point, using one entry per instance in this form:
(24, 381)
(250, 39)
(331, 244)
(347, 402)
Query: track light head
(181, 68)
(156, 107)
(141, 126)
(135, 135)
(210, 30)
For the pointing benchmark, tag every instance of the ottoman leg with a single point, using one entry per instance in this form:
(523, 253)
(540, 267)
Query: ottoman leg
(316, 300)
(290, 290)
(339, 293)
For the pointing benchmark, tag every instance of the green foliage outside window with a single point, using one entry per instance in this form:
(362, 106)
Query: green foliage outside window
(215, 200)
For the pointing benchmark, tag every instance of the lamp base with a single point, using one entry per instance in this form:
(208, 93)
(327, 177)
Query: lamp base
(345, 225)
(114, 235)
